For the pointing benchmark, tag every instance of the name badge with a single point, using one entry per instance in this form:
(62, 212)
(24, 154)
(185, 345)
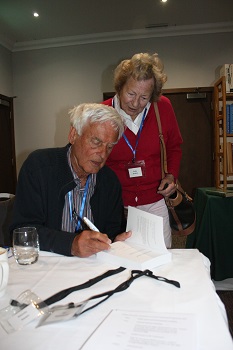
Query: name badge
(136, 169)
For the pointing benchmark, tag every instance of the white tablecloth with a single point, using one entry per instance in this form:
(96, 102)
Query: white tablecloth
(53, 273)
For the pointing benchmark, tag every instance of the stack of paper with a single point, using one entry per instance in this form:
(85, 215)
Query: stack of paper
(145, 249)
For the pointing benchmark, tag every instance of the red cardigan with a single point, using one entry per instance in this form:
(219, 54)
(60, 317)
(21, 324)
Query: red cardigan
(143, 190)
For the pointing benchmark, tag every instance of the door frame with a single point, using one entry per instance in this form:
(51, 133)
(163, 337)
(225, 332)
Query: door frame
(9, 100)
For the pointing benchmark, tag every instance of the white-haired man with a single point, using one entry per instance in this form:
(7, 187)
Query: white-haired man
(58, 187)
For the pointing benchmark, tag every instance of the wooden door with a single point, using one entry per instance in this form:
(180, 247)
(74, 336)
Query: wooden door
(193, 109)
(7, 146)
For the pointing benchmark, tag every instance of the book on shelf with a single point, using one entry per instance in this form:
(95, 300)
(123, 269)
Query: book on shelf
(229, 118)
(220, 192)
(227, 71)
(145, 249)
(229, 158)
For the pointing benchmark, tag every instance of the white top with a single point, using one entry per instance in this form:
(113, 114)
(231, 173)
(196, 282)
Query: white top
(133, 125)
(53, 273)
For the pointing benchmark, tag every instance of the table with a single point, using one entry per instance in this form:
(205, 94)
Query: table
(53, 273)
(213, 234)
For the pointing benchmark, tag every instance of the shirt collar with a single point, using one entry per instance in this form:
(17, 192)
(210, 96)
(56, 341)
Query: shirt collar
(133, 125)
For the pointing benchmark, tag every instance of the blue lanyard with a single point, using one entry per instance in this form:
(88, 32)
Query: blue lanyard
(73, 214)
(138, 136)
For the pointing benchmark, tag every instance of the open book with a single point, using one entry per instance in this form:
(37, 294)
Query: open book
(145, 249)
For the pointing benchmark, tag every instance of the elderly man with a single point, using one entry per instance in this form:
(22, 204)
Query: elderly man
(58, 187)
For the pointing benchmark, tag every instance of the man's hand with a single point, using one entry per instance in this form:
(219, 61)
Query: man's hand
(123, 236)
(88, 243)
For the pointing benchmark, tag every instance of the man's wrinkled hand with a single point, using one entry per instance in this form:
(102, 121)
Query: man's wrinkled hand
(88, 243)
(123, 236)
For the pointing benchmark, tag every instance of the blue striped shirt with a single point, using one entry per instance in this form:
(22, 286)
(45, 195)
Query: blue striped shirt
(69, 221)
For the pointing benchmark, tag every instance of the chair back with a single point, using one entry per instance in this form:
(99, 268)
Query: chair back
(6, 209)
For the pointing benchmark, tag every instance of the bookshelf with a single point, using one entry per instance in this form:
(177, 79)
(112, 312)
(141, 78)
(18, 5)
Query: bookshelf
(223, 140)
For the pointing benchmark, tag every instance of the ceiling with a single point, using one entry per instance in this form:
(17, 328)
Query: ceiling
(67, 18)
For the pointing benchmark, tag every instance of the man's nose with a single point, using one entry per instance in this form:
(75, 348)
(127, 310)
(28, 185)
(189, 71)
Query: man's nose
(103, 151)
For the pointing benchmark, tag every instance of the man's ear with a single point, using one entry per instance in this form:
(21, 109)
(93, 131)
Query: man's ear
(72, 135)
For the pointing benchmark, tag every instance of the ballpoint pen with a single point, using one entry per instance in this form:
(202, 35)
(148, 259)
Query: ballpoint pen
(90, 224)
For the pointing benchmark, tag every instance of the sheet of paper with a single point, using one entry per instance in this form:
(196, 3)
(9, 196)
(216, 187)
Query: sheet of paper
(147, 229)
(127, 330)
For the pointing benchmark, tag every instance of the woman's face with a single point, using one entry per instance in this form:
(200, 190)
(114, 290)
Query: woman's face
(135, 95)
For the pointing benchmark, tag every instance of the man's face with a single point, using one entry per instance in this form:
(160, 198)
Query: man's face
(91, 149)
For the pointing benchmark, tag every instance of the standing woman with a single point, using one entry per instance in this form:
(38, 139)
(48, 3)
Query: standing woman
(136, 157)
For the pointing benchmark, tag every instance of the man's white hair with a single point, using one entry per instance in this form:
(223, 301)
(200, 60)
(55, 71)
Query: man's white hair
(95, 113)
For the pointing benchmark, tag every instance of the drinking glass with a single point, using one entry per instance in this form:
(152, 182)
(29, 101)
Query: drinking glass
(25, 245)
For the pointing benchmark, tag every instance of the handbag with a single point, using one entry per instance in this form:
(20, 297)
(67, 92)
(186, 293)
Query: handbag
(182, 215)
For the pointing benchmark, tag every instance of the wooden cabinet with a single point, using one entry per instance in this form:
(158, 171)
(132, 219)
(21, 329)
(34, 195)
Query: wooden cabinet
(223, 153)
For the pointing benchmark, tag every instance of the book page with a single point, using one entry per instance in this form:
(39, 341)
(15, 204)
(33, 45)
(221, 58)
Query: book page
(127, 330)
(147, 229)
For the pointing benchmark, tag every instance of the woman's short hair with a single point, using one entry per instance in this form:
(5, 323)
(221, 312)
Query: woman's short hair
(95, 113)
(141, 66)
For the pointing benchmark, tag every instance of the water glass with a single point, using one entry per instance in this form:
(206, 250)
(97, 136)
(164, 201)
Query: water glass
(25, 245)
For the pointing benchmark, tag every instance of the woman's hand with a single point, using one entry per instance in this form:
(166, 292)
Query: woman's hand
(167, 186)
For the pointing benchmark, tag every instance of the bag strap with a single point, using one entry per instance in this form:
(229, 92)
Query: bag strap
(163, 151)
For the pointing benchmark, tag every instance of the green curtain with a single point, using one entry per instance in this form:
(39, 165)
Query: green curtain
(213, 235)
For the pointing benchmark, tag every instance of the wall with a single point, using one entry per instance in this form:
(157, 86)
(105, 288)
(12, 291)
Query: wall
(6, 80)
(48, 82)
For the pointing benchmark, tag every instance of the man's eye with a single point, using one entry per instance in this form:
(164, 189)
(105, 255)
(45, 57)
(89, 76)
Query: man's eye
(110, 147)
(95, 142)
